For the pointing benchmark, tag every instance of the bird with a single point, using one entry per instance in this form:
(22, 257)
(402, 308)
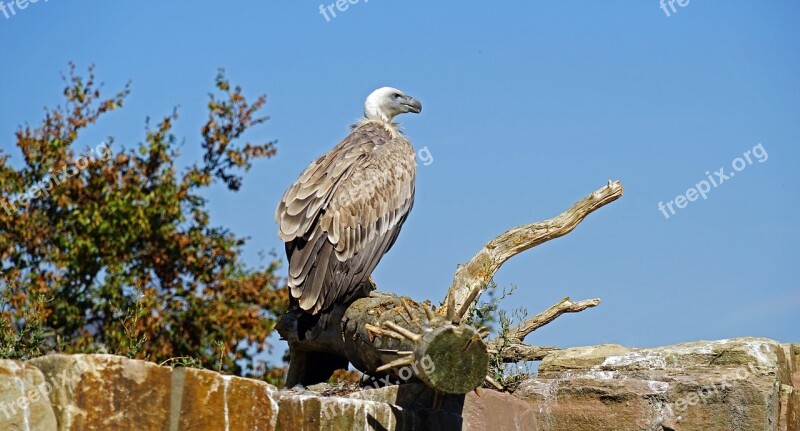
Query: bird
(346, 209)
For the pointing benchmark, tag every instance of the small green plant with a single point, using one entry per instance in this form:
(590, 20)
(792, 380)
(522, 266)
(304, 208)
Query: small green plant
(485, 314)
(133, 341)
(223, 353)
(508, 375)
(489, 314)
(22, 338)
(182, 361)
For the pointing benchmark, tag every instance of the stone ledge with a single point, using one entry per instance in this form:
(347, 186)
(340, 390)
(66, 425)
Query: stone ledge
(20, 381)
(742, 384)
(739, 384)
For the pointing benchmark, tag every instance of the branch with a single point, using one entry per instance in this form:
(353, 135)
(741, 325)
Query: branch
(511, 346)
(472, 278)
(517, 352)
(519, 332)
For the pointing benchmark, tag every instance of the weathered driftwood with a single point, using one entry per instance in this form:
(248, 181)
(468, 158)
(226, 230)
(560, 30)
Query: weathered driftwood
(400, 339)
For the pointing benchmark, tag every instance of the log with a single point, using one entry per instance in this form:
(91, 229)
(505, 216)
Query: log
(388, 336)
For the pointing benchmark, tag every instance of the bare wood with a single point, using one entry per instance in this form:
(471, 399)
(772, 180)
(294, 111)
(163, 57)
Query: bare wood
(400, 330)
(517, 352)
(494, 383)
(428, 313)
(406, 360)
(473, 277)
(519, 332)
(512, 348)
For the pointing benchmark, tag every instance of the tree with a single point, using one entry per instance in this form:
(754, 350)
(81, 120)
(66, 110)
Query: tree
(112, 247)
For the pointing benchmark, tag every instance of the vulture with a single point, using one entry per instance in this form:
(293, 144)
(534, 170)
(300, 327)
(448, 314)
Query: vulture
(346, 209)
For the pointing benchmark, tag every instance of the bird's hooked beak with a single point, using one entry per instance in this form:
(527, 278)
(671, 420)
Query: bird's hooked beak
(412, 105)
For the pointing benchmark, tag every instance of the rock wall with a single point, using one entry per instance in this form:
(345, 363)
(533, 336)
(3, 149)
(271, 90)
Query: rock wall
(731, 385)
(743, 384)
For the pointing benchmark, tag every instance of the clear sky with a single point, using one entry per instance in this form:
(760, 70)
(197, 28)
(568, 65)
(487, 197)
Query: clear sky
(528, 106)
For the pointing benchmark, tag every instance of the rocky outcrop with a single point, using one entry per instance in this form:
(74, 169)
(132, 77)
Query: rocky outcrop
(479, 410)
(106, 392)
(22, 405)
(743, 384)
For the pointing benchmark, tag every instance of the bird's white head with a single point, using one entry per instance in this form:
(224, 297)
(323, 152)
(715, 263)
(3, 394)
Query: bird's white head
(387, 102)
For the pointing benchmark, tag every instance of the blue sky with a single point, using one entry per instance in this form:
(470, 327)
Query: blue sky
(528, 106)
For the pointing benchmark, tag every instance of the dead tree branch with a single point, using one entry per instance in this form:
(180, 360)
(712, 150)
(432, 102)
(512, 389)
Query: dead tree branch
(473, 277)
(519, 352)
(512, 347)
(519, 332)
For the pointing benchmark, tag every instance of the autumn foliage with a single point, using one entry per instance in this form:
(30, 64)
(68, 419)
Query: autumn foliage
(108, 248)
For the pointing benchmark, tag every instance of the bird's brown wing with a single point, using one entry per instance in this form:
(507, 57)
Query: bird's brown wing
(343, 213)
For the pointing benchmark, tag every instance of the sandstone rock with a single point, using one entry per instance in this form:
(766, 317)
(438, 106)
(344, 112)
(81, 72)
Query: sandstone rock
(24, 404)
(741, 384)
(611, 361)
(105, 392)
(579, 358)
(312, 412)
(792, 420)
(486, 409)
(596, 404)
(203, 399)
(729, 385)
(792, 352)
(788, 413)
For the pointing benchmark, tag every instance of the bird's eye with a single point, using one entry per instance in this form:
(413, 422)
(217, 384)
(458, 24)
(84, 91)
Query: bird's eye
(396, 95)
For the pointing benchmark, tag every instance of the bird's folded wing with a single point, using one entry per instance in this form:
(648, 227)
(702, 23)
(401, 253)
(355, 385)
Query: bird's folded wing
(342, 215)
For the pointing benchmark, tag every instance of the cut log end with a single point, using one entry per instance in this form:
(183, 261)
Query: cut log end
(454, 359)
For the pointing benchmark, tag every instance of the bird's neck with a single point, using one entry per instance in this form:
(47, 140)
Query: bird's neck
(393, 128)
(378, 115)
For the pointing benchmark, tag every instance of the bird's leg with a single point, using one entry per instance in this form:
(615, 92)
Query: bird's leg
(438, 396)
